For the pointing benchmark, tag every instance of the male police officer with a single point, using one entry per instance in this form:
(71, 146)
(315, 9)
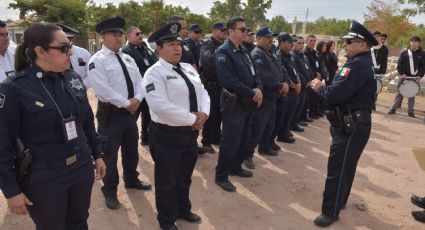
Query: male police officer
(80, 56)
(270, 72)
(313, 99)
(117, 82)
(286, 107)
(211, 133)
(411, 63)
(248, 42)
(179, 106)
(144, 58)
(350, 100)
(194, 42)
(7, 53)
(241, 96)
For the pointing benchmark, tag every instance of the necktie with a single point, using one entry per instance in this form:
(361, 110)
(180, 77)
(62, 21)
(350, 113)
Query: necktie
(192, 93)
(130, 87)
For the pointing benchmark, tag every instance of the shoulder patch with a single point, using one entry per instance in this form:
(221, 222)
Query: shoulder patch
(221, 58)
(259, 61)
(150, 87)
(91, 66)
(2, 100)
(170, 77)
(345, 72)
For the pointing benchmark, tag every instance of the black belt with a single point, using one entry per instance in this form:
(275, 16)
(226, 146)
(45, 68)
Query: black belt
(113, 107)
(174, 128)
(69, 161)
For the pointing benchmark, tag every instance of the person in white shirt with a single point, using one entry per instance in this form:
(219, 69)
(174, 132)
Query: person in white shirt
(80, 56)
(117, 82)
(179, 106)
(7, 53)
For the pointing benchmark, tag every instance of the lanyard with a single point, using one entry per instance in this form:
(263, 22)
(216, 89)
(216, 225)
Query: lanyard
(54, 102)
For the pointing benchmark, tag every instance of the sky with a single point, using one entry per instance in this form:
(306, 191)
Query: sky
(340, 9)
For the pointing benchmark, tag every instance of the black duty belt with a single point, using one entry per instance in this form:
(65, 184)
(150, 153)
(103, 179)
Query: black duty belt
(69, 161)
(174, 128)
(113, 107)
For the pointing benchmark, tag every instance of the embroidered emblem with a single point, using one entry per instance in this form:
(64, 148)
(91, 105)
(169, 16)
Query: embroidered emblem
(170, 77)
(150, 87)
(345, 72)
(76, 84)
(2, 100)
(174, 28)
(39, 75)
(221, 58)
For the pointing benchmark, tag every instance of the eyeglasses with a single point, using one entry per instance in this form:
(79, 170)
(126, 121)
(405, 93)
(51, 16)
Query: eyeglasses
(351, 41)
(139, 33)
(243, 29)
(64, 48)
(5, 34)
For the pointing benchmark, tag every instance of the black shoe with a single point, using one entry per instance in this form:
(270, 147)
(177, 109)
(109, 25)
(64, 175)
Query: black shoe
(201, 150)
(209, 148)
(191, 217)
(141, 185)
(411, 114)
(325, 221)
(112, 202)
(289, 140)
(308, 119)
(302, 123)
(419, 216)
(392, 111)
(289, 134)
(169, 227)
(418, 201)
(297, 129)
(269, 152)
(275, 146)
(226, 185)
(249, 163)
(242, 173)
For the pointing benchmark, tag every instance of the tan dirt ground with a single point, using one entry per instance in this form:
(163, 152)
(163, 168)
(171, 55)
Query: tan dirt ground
(286, 190)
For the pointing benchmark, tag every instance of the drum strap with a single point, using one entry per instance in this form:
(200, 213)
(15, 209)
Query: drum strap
(412, 67)
(375, 65)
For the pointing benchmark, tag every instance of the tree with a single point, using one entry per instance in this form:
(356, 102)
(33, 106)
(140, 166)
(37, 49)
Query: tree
(330, 26)
(255, 12)
(419, 3)
(388, 18)
(223, 11)
(278, 24)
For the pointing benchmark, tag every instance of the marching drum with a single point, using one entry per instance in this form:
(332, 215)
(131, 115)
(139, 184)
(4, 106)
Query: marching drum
(409, 88)
(379, 84)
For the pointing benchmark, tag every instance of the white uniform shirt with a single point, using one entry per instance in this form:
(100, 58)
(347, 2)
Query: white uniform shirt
(7, 62)
(167, 94)
(80, 60)
(106, 77)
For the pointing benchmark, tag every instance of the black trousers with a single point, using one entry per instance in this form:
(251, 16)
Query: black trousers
(211, 134)
(285, 111)
(61, 195)
(301, 103)
(145, 120)
(175, 154)
(235, 136)
(121, 131)
(345, 152)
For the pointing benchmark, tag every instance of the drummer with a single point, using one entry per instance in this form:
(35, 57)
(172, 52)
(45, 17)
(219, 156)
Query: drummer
(411, 63)
(380, 60)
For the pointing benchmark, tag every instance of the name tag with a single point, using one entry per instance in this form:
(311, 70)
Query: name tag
(252, 70)
(306, 66)
(69, 129)
(146, 61)
(317, 64)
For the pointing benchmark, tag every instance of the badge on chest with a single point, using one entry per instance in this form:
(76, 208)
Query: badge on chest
(69, 129)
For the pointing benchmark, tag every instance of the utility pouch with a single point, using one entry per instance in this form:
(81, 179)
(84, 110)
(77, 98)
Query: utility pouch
(228, 101)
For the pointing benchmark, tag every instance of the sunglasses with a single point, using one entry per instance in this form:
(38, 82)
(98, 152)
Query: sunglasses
(139, 33)
(351, 41)
(64, 48)
(243, 29)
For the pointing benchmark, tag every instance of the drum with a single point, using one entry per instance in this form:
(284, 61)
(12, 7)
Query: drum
(379, 84)
(409, 88)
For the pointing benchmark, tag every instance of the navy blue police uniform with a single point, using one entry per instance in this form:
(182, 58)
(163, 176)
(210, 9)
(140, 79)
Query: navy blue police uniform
(211, 134)
(144, 58)
(194, 46)
(349, 99)
(313, 99)
(286, 107)
(269, 70)
(34, 107)
(174, 94)
(236, 74)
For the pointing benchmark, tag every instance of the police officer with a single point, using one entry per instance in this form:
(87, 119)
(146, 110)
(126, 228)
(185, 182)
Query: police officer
(313, 99)
(379, 58)
(286, 107)
(45, 106)
(194, 42)
(179, 107)
(7, 53)
(80, 56)
(117, 82)
(411, 63)
(241, 96)
(211, 133)
(144, 58)
(248, 41)
(350, 100)
(270, 72)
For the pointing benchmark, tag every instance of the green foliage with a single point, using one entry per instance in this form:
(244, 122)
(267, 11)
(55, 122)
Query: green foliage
(331, 26)
(419, 3)
(278, 24)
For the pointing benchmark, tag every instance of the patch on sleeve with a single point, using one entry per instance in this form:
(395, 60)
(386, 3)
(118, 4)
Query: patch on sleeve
(91, 66)
(150, 87)
(170, 77)
(221, 58)
(2, 100)
(259, 61)
(345, 72)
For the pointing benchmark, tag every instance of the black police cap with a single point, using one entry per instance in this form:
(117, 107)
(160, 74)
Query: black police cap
(69, 31)
(285, 37)
(195, 27)
(168, 32)
(265, 32)
(114, 24)
(357, 30)
(219, 25)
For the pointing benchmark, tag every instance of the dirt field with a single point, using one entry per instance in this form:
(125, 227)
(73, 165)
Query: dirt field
(286, 190)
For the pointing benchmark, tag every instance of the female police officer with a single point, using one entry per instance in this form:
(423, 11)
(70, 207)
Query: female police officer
(179, 106)
(46, 106)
